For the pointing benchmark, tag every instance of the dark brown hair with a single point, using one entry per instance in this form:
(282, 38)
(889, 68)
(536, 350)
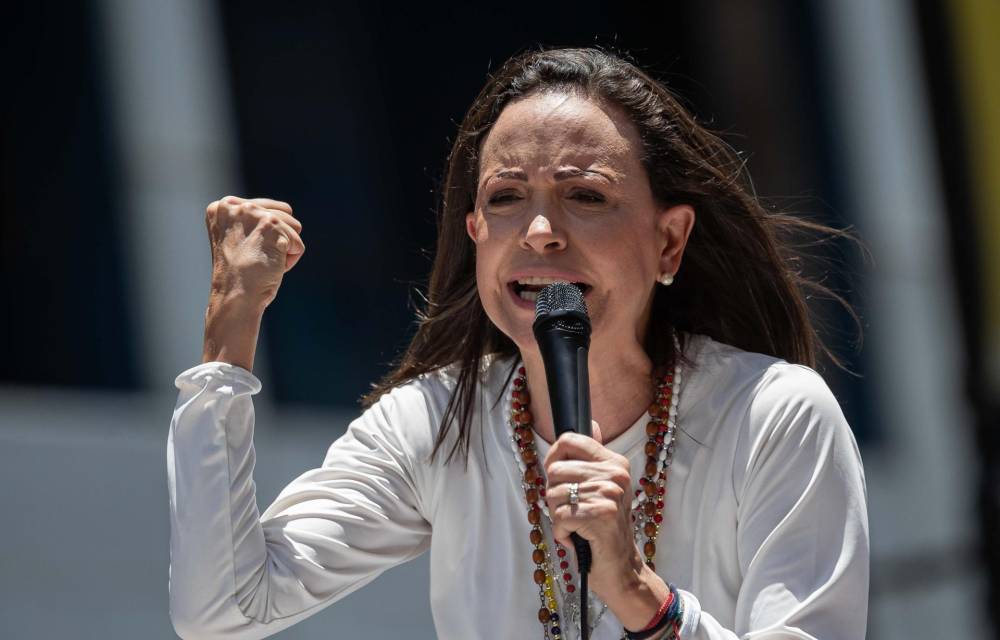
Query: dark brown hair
(740, 283)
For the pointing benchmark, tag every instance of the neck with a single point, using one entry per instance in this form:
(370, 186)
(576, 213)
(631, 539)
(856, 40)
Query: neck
(621, 389)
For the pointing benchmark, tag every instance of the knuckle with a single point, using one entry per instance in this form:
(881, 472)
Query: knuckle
(547, 458)
(555, 469)
(232, 201)
(610, 490)
(621, 477)
(270, 292)
(248, 207)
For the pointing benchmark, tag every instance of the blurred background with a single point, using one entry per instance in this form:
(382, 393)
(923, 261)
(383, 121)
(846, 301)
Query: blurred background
(123, 119)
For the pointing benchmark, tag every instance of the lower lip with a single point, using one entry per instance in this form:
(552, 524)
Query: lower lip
(530, 304)
(519, 301)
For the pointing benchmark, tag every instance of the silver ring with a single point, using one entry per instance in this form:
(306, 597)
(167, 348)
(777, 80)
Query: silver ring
(574, 493)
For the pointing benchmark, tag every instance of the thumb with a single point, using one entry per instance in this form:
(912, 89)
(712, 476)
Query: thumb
(596, 432)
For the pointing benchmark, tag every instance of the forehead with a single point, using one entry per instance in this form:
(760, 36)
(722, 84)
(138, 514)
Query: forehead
(552, 129)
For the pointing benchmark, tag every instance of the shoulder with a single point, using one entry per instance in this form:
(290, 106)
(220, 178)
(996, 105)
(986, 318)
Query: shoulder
(757, 400)
(753, 383)
(433, 390)
(793, 396)
(788, 429)
(415, 410)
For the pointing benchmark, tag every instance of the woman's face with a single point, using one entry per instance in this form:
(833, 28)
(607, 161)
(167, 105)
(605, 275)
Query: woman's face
(562, 195)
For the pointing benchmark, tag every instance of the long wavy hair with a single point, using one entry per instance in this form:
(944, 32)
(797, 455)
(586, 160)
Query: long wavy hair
(741, 282)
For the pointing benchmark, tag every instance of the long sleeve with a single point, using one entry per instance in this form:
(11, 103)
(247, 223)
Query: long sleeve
(802, 524)
(237, 574)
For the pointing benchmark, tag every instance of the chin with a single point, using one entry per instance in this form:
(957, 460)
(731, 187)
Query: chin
(523, 338)
(516, 328)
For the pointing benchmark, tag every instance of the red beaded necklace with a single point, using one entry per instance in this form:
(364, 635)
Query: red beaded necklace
(647, 507)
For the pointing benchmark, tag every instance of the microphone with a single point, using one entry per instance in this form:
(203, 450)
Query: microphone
(562, 331)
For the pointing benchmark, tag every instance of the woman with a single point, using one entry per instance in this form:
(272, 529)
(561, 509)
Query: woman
(723, 494)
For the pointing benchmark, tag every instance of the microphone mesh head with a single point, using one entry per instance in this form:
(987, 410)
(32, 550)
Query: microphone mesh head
(562, 299)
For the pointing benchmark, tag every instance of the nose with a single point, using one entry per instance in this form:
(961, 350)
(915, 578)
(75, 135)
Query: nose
(541, 237)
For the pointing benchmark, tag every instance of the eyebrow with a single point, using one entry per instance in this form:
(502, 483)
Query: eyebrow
(561, 174)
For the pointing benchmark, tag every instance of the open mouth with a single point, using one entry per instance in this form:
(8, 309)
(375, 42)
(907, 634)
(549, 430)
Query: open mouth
(527, 288)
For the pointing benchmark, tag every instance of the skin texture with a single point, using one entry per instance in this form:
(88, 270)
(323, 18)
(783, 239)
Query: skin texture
(254, 243)
(562, 192)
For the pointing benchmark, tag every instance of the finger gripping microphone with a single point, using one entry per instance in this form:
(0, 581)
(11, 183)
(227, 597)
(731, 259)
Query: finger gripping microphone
(562, 331)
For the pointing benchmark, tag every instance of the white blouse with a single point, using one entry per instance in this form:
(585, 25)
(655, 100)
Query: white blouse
(765, 528)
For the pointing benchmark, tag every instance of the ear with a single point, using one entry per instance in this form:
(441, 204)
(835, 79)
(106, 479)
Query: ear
(674, 225)
(471, 227)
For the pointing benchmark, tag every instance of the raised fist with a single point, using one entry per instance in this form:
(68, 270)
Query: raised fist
(254, 242)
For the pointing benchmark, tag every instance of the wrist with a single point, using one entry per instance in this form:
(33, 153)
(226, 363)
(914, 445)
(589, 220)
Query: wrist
(666, 623)
(231, 329)
(639, 598)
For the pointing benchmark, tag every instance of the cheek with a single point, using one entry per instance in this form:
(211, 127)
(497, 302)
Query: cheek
(625, 253)
(488, 262)
(628, 265)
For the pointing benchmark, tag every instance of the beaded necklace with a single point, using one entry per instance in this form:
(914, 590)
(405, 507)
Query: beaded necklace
(647, 505)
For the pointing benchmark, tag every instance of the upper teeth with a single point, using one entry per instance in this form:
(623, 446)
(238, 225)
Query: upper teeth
(542, 280)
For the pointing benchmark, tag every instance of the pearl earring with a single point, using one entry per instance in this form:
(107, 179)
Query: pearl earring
(667, 279)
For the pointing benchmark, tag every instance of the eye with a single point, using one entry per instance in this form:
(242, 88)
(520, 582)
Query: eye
(591, 197)
(504, 197)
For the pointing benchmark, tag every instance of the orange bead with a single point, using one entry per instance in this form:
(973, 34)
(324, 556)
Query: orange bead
(649, 508)
(650, 469)
(530, 475)
(651, 448)
(544, 615)
(539, 576)
(529, 456)
(538, 556)
(524, 417)
(534, 516)
(649, 529)
(650, 489)
(535, 536)
(652, 428)
(531, 495)
(649, 549)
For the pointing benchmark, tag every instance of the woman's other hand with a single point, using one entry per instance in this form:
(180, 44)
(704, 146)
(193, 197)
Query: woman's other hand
(254, 242)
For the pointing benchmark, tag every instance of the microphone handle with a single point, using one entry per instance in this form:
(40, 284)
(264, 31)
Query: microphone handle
(569, 385)
(573, 414)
